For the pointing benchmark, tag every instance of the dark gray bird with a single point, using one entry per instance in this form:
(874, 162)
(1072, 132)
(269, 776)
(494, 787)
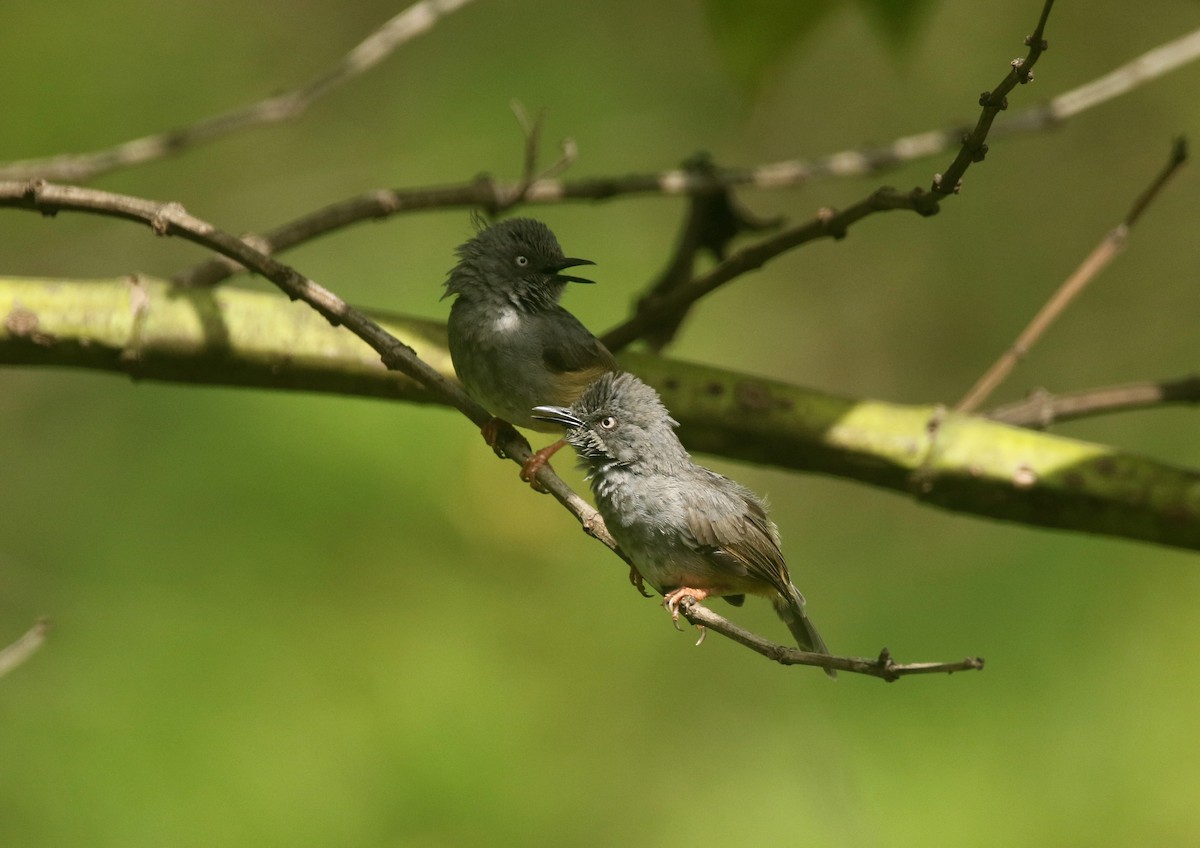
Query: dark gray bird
(688, 530)
(512, 345)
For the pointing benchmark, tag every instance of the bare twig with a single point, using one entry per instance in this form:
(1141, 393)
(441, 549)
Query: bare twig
(1041, 409)
(509, 196)
(793, 172)
(883, 667)
(827, 224)
(1099, 259)
(171, 219)
(833, 224)
(532, 130)
(21, 650)
(420, 17)
(413, 21)
(713, 220)
(493, 195)
(1149, 66)
(974, 148)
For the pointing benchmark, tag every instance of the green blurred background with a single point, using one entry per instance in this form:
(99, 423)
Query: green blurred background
(313, 621)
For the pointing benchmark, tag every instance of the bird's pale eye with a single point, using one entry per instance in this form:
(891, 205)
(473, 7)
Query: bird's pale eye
(522, 261)
(608, 422)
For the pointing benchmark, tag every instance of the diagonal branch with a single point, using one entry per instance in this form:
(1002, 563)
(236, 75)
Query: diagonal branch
(1099, 259)
(974, 148)
(171, 219)
(652, 311)
(413, 21)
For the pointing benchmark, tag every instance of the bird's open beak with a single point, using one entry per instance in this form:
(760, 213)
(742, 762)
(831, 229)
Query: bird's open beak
(557, 415)
(569, 263)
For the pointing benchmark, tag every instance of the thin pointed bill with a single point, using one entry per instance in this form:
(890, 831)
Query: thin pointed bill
(557, 415)
(570, 263)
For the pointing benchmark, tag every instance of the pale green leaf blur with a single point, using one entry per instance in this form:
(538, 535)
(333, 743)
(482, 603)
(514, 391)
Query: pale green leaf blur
(310, 621)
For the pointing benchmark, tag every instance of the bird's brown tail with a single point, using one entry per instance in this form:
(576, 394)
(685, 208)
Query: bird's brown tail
(791, 611)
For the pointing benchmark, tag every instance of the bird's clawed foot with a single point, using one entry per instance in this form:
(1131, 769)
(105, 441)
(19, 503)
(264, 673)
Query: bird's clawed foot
(671, 601)
(497, 430)
(639, 583)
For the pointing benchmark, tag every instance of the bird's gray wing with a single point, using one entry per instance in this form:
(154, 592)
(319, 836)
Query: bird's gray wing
(568, 347)
(734, 529)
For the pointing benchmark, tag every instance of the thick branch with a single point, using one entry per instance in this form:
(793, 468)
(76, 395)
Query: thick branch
(230, 337)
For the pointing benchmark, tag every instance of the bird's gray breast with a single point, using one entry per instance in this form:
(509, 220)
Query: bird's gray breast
(497, 354)
(647, 516)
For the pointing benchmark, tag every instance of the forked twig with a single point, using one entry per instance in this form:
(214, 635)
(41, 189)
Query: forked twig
(1099, 259)
(830, 223)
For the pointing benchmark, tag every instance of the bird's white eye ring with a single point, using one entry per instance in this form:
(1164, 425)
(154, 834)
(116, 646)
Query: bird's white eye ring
(522, 260)
(608, 422)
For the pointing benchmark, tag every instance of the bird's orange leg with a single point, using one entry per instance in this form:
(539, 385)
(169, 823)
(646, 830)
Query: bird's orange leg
(671, 602)
(530, 469)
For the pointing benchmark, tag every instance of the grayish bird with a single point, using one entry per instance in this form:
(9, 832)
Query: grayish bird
(512, 345)
(688, 530)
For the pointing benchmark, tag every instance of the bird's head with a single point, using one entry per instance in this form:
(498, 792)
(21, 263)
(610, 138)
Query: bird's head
(618, 420)
(517, 261)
